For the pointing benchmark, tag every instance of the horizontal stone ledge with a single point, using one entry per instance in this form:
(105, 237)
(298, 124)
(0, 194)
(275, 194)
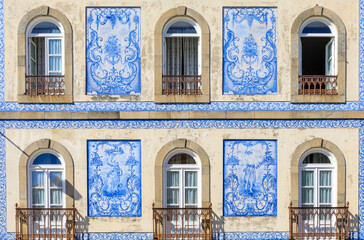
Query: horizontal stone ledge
(125, 115)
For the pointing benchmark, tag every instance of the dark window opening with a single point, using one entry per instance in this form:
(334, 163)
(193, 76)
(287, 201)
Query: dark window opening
(313, 55)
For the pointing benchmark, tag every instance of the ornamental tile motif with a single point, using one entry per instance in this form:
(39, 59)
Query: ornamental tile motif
(114, 178)
(250, 178)
(250, 54)
(113, 51)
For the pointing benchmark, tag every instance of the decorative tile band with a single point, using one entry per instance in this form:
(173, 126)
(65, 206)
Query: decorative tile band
(151, 106)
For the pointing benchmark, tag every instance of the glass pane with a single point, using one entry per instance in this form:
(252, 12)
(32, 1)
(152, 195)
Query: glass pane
(307, 195)
(38, 196)
(307, 178)
(325, 195)
(316, 158)
(33, 50)
(172, 179)
(325, 178)
(55, 63)
(56, 196)
(37, 179)
(316, 27)
(55, 46)
(172, 196)
(181, 27)
(182, 158)
(191, 196)
(191, 179)
(33, 67)
(46, 158)
(55, 179)
(46, 27)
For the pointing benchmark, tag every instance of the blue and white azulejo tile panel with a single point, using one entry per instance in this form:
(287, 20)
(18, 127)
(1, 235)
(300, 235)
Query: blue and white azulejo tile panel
(114, 178)
(250, 53)
(113, 51)
(250, 178)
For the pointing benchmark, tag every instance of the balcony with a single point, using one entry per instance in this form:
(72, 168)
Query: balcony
(44, 85)
(181, 85)
(45, 223)
(182, 223)
(318, 222)
(317, 85)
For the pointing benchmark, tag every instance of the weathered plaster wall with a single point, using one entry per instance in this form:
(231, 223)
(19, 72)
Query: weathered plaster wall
(211, 10)
(211, 141)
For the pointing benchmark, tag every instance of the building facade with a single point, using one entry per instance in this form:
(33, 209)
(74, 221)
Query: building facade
(134, 119)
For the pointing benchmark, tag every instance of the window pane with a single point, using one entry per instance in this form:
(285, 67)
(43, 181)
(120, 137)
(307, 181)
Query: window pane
(172, 196)
(307, 178)
(307, 195)
(182, 159)
(37, 179)
(181, 27)
(55, 63)
(325, 195)
(38, 196)
(316, 27)
(325, 178)
(33, 51)
(56, 196)
(191, 196)
(55, 179)
(316, 158)
(55, 46)
(46, 158)
(46, 27)
(191, 179)
(172, 179)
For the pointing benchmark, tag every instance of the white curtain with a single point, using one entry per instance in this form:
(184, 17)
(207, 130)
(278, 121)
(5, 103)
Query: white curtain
(307, 180)
(55, 62)
(172, 196)
(325, 193)
(38, 183)
(172, 179)
(182, 56)
(191, 196)
(191, 179)
(56, 197)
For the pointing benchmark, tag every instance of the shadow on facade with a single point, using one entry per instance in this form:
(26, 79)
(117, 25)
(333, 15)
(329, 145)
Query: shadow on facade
(218, 223)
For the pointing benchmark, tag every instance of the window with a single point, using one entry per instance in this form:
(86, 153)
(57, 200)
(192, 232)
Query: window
(181, 57)
(45, 57)
(317, 179)
(318, 57)
(317, 69)
(182, 180)
(46, 181)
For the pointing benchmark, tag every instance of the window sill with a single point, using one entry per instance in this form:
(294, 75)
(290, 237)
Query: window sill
(45, 99)
(181, 98)
(318, 99)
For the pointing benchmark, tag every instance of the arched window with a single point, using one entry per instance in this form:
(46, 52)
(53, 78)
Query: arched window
(317, 179)
(45, 57)
(46, 185)
(181, 57)
(182, 180)
(318, 57)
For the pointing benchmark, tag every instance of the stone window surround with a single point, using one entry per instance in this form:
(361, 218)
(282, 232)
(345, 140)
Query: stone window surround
(205, 58)
(45, 144)
(319, 11)
(341, 168)
(181, 144)
(68, 71)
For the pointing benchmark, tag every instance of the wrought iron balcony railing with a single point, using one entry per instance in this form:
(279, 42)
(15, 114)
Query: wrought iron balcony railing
(317, 85)
(45, 223)
(181, 85)
(44, 85)
(182, 223)
(318, 222)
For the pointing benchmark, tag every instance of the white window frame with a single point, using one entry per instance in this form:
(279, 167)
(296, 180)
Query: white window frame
(46, 169)
(316, 168)
(165, 35)
(47, 37)
(332, 35)
(182, 168)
